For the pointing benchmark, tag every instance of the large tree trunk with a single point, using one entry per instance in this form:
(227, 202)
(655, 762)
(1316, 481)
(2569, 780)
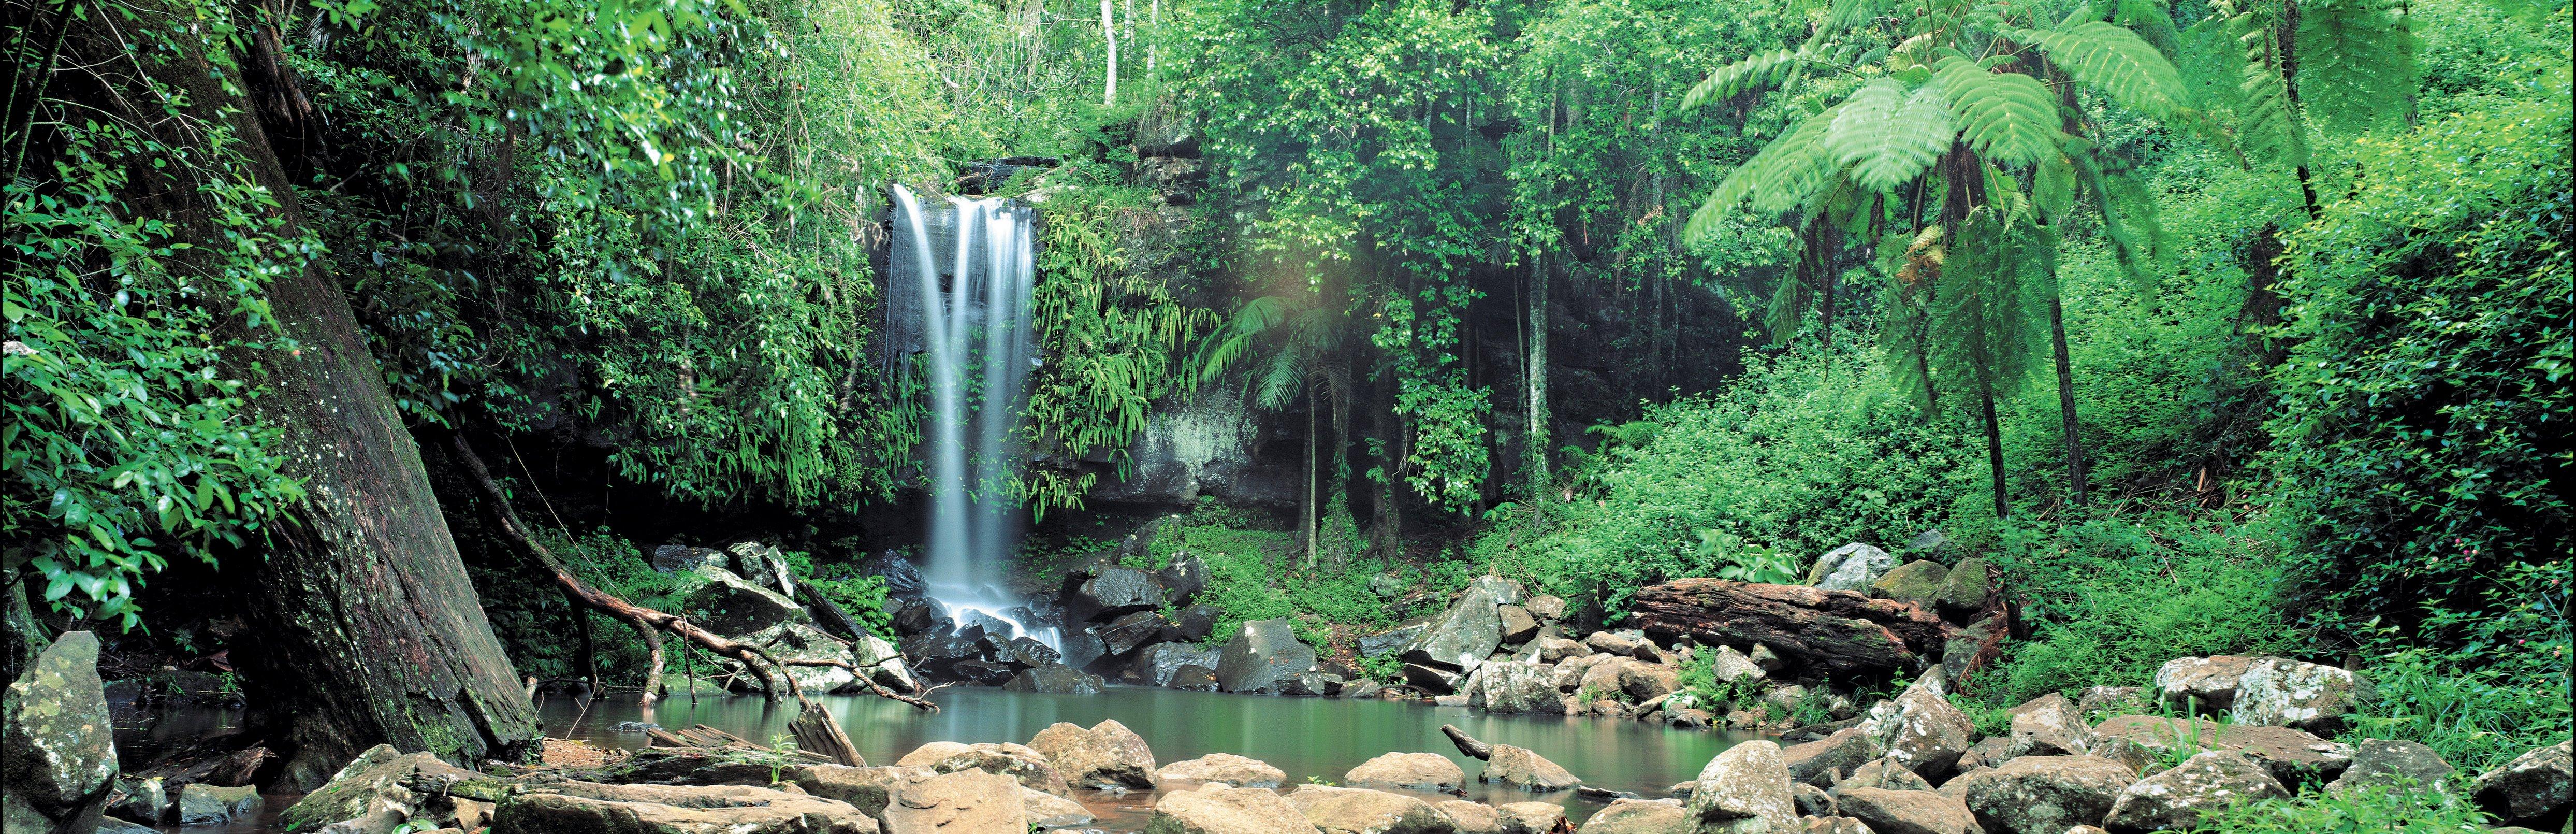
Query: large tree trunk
(365, 628)
(2066, 399)
(1994, 448)
(1535, 445)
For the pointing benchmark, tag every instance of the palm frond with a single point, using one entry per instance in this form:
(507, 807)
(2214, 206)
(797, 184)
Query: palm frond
(1230, 343)
(2270, 123)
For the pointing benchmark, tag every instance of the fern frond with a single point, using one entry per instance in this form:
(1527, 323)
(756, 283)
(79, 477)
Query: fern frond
(2115, 62)
(1846, 16)
(2151, 21)
(2356, 64)
(1886, 136)
(2008, 117)
(2128, 217)
(1786, 172)
(1223, 348)
(1761, 70)
(2270, 122)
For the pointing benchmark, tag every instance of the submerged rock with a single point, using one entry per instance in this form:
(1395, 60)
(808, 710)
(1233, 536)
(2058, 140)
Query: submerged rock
(57, 750)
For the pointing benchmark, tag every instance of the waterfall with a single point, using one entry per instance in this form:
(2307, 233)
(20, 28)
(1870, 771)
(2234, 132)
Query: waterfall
(978, 317)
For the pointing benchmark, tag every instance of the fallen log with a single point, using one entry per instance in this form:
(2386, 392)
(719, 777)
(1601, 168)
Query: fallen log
(1467, 744)
(1838, 632)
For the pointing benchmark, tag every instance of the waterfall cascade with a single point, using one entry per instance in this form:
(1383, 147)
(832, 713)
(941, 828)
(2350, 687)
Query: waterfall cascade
(974, 313)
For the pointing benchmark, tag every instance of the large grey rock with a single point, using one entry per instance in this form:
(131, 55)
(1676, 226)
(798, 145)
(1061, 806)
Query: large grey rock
(1183, 579)
(57, 750)
(1435, 680)
(2208, 682)
(1227, 811)
(1461, 637)
(1851, 567)
(1155, 664)
(574, 807)
(1393, 639)
(1918, 583)
(1731, 666)
(1261, 655)
(1640, 816)
(1745, 790)
(674, 558)
(2394, 763)
(964, 802)
(799, 640)
(2175, 798)
(203, 804)
(1032, 768)
(1514, 686)
(2531, 790)
(1547, 608)
(1921, 729)
(2042, 794)
(883, 663)
(1819, 762)
(725, 603)
(1362, 811)
(1129, 632)
(1107, 755)
(1195, 623)
(1520, 768)
(1621, 643)
(1057, 679)
(1886, 774)
(1906, 812)
(1966, 588)
(2294, 757)
(1229, 768)
(1504, 591)
(2287, 693)
(1408, 771)
(142, 799)
(378, 777)
(1552, 649)
(1109, 591)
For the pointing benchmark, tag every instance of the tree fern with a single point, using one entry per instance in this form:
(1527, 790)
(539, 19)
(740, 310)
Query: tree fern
(2115, 62)
(2152, 21)
(2356, 64)
(1982, 332)
(2008, 117)
(1781, 177)
(1886, 136)
(1761, 70)
(2270, 123)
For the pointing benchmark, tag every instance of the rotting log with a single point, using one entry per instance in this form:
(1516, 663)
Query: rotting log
(1467, 744)
(1839, 632)
(364, 628)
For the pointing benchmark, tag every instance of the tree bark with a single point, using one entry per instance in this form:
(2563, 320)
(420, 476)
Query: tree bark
(1841, 632)
(2066, 400)
(1109, 36)
(1536, 444)
(364, 627)
(1994, 447)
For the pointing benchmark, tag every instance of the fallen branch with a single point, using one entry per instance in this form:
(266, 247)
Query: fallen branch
(861, 672)
(1467, 744)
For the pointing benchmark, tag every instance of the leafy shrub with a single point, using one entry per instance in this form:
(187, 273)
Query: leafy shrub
(2476, 719)
(2112, 600)
(1253, 575)
(2370, 809)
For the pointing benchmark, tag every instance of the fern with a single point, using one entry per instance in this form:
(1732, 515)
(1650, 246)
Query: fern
(2270, 123)
(1761, 70)
(1781, 177)
(2115, 62)
(2356, 64)
(1887, 137)
(2008, 117)
(2151, 21)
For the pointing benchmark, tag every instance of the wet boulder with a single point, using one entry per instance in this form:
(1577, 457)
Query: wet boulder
(1462, 636)
(1107, 592)
(725, 603)
(1745, 790)
(1183, 579)
(1195, 623)
(2275, 692)
(1081, 647)
(1408, 771)
(1362, 811)
(2532, 789)
(202, 804)
(1154, 665)
(937, 653)
(915, 616)
(1229, 768)
(2043, 794)
(143, 799)
(1020, 762)
(2175, 798)
(1311, 685)
(1123, 636)
(1517, 687)
(1836, 633)
(902, 577)
(1194, 678)
(1262, 654)
(1851, 567)
(680, 558)
(57, 750)
(1227, 811)
(1057, 679)
(1106, 755)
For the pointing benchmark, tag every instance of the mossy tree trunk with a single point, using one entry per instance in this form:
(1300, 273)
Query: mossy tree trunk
(365, 629)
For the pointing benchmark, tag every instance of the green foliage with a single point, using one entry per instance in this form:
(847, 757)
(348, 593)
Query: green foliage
(2356, 63)
(1887, 134)
(2111, 600)
(1253, 575)
(136, 313)
(2411, 446)
(863, 595)
(2369, 809)
(2477, 719)
(1745, 562)
(2007, 117)
(2117, 62)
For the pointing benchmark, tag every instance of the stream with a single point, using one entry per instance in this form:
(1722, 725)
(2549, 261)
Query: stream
(1309, 738)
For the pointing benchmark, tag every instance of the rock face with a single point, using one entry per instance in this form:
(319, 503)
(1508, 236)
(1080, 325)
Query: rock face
(1745, 790)
(1229, 768)
(2294, 757)
(2209, 682)
(728, 604)
(2383, 762)
(1107, 755)
(964, 802)
(374, 779)
(1227, 811)
(2175, 798)
(2532, 790)
(1851, 567)
(1521, 768)
(1408, 771)
(1639, 816)
(1906, 812)
(2043, 794)
(1362, 811)
(1837, 632)
(1514, 686)
(1262, 654)
(57, 751)
(591, 808)
(1921, 729)
(1461, 637)
(2288, 693)
(1031, 768)
(1818, 762)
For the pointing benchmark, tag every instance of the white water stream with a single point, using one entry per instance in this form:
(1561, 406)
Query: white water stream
(977, 318)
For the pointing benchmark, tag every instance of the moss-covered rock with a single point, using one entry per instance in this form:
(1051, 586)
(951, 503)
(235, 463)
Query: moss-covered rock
(57, 751)
(1913, 582)
(729, 604)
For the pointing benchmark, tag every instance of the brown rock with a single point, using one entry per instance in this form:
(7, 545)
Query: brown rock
(1835, 825)
(2049, 725)
(1362, 811)
(1534, 818)
(591, 808)
(1906, 812)
(1639, 816)
(1227, 811)
(1470, 817)
(1820, 762)
(1921, 729)
(1408, 771)
(2532, 789)
(964, 802)
(1884, 774)
(2209, 682)
(1520, 768)
(1046, 810)
(868, 789)
(1518, 625)
(1836, 632)
(1108, 754)
(1229, 768)
(1813, 801)
(2175, 798)
(1645, 682)
(2042, 794)
(1016, 761)
(2294, 757)
(1745, 790)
